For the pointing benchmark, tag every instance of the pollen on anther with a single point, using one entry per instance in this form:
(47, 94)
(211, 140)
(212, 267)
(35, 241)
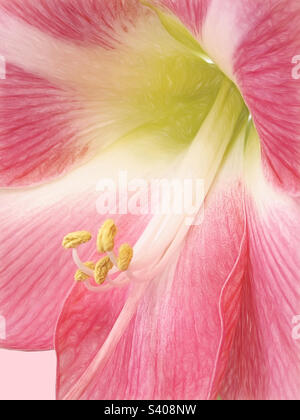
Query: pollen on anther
(125, 256)
(106, 237)
(102, 269)
(74, 239)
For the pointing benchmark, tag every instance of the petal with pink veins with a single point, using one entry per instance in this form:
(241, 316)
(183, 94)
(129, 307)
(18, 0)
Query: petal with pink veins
(265, 358)
(93, 22)
(190, 12)
(255, 42)
(263, 68)
(38, 137)
(48, 125)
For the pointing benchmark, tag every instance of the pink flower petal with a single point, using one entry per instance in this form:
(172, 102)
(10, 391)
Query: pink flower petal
(175, 343)
(265, 359)
(190, 12)
(83, 22)
(48, 122)
(38, 138)
(263, 67)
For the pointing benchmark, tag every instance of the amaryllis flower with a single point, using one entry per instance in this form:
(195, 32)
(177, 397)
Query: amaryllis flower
(199, 89)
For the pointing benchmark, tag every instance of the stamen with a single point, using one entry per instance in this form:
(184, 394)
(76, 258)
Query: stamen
(114, 260)
(99, 272)
(102, 269)
(74, 239)
(125, 257)
(109, 285)
(80, 265)
(97, 289)
(106, 236)
(80, 276)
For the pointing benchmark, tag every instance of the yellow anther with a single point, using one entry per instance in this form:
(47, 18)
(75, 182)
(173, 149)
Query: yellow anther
(106, 237)
(125, 257)
(73, 240)
(80, 275)
(101, 270)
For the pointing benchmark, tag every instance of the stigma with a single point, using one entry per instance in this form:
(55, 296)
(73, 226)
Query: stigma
(98, 272)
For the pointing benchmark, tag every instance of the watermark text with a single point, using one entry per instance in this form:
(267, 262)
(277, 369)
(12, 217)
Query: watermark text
(296, 329)
(179, 197)
(2, 328)
(2, 68)
(296, 68)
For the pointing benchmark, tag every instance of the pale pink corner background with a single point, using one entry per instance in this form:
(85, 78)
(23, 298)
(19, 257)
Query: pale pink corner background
(27, 376)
